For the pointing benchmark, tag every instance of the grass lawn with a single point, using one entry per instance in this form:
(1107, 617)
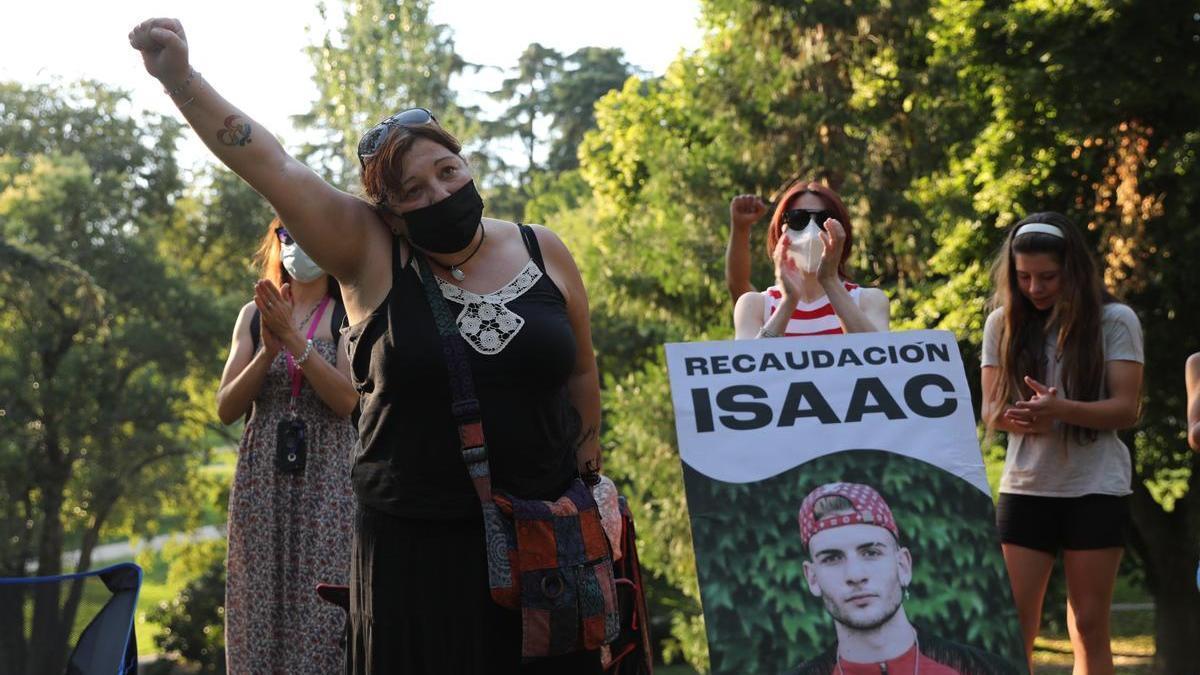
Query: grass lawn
(1132, 642)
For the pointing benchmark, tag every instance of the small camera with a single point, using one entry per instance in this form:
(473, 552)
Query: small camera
(290, 446)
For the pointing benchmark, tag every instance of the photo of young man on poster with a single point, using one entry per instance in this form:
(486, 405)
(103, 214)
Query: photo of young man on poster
(859, 569)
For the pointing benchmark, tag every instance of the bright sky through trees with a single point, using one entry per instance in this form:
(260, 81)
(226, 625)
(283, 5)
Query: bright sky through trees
(254, 51)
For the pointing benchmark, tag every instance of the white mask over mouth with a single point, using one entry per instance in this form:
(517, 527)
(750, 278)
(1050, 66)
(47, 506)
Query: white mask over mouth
(297, 263)
(806, 246)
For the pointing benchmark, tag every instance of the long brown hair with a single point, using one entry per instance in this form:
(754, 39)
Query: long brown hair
(1076, 315)
(269, 265)
(833, 203)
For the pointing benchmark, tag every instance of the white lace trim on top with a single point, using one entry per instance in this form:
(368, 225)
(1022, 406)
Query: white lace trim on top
(485, 322)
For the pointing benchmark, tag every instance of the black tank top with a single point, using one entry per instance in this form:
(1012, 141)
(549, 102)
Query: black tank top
(408, 463)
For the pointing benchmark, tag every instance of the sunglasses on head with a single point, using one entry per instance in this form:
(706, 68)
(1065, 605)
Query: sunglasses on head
(797, 219)
(371, 141)
(284, 237)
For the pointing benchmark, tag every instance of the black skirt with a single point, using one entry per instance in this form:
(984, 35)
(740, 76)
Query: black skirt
(419, 603)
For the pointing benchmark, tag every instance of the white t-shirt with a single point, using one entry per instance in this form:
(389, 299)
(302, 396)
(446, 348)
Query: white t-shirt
(1049, 465)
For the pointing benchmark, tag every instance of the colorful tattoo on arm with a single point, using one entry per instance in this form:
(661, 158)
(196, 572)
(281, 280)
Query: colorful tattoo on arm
(236, 131)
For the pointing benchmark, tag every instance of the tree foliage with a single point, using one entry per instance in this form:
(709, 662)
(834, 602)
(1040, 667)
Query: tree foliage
(108, 343)
(381, 58)
(940, 122)
(194, 620)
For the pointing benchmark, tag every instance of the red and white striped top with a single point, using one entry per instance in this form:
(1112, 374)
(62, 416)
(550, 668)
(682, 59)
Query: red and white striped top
(809, 318)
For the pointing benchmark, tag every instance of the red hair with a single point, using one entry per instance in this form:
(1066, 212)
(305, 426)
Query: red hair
(833, 204)
(266, 258)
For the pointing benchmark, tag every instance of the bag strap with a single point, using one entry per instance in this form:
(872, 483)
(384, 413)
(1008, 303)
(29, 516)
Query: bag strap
(463, 403)
(255, 330)
(255, 338)
(336, 319)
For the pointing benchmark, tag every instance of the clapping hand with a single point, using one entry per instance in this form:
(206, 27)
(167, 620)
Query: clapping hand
(787, 273)
(275, 310)
(1036, 415)
(833, 239)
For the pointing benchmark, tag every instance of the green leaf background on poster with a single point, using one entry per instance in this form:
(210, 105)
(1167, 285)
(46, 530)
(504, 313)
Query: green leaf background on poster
(761, 616)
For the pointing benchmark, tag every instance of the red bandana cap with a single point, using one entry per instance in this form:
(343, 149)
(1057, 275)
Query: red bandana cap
(868, 508)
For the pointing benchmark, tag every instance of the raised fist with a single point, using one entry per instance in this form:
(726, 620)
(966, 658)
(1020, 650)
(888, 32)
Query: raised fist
(745, 209)
(164, 50)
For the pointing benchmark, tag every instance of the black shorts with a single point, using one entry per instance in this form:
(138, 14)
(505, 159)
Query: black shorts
(1052, 524)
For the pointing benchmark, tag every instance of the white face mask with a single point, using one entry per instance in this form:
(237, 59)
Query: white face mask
(297, 263)
(806, 246)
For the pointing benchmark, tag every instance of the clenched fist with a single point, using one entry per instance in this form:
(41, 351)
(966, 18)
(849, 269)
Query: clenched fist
(164, 50)
(745, 209)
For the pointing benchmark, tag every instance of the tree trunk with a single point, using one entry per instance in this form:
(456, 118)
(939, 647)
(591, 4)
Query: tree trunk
(13, 650)
(70, 607)
(45, 649)
(1170, 546)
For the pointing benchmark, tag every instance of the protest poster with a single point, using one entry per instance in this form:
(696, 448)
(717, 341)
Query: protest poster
(839, 506)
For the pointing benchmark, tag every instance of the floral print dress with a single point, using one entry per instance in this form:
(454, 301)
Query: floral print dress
(287, 533)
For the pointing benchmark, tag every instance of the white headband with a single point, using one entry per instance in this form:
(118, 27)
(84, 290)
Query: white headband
(1044, 228)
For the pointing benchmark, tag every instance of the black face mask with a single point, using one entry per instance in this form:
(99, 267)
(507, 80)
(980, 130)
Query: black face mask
(449, 225)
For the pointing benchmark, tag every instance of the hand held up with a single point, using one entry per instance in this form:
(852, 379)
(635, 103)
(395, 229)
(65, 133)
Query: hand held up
(164, 49)
(833, 239)
(744, 210)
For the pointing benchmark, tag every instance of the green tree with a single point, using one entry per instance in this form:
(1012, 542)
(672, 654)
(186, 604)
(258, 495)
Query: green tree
(528, 91)
(940, 121)
(383, 57)
(1112, 143)
(551, 100)
(104, 344)
(586, 74)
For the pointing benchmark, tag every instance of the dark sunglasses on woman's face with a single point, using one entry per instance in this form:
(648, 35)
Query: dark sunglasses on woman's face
(371, 141)
(797, 219)
(284, 237)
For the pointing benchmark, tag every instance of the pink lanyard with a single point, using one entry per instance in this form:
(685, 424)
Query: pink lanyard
(294, 371)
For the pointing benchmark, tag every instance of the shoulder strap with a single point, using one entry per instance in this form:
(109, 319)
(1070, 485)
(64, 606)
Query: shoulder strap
(336, 318)
(255, 331)
(531, 245)
(399, 264)
(463, 402)
(255, 338)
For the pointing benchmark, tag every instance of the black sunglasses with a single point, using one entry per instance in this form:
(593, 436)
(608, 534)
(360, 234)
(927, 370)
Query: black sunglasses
(797, 219)
(284, 237)
(371, 141)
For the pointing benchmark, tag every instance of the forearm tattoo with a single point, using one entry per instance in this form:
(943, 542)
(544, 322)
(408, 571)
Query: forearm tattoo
(591, 467)
(591, 471)
(236, 131)
(588, 435)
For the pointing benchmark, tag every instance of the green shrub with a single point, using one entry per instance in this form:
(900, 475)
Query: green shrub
(194, 621)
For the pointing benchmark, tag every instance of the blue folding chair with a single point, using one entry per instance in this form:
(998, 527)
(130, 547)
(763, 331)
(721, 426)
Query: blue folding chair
(106, 644)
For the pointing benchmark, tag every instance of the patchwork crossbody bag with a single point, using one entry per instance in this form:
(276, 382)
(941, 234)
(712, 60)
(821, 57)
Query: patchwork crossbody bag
(549, 559)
